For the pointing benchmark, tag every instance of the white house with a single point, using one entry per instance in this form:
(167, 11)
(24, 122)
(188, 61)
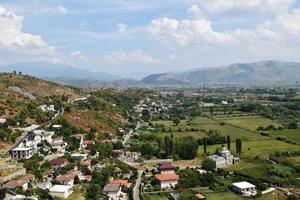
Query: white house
(2, 120)
(47, 108)
(21, 153)
(80, 156)
(224, 158)
(58, 163)
(59, 145)
(61, 191)
(244, 188)
(167, 180)
(113, 191)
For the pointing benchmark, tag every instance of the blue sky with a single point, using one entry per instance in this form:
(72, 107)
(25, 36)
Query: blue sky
(134, 38)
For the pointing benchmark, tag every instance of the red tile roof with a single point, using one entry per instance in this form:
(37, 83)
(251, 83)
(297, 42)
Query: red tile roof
(58, 161)
(89, 142)
(86, 163)
(67, 177)
(167, 177)
(165, 165)
(120, 181)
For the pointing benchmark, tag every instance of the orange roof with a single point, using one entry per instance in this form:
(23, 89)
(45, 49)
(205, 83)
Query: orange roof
(89, 142)
(67, 177)
(120, 181)
(85, 163)
(167, 177)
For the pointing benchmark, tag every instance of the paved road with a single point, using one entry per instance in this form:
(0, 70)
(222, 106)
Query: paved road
(136, 189)
(127, 136)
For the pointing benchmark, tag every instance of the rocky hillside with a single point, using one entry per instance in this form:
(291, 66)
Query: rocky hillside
(264, 72)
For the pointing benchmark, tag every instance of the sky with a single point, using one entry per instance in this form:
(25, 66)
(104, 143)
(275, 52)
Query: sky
(134, 38)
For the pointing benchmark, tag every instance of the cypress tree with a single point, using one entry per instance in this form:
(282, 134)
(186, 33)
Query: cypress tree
(205, 145)
(228, 142)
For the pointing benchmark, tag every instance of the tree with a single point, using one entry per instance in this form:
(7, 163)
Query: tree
(187, 148)
(168, 145)
(2, 193)
(205, 145)
(76, 180)
(146, 115)
(228, 142)
(238, 144)
(211, 110)
(208, 164)
(176, 121)
(293, 125)
(92, 192)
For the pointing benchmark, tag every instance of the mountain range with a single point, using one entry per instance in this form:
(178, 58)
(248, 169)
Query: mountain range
(258, 73)
(263, 72)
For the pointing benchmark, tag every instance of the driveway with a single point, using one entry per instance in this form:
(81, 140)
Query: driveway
(136, 189)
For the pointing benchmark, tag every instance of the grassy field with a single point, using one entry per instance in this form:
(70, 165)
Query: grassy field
(202, 123)
(262, 148)
(249, 122)
(224, 196)
(292, 134)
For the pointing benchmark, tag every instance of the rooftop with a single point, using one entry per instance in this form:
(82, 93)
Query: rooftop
(112, 188)
(120, 181)
(60, 188)
(58, 161)
(167, 177)
(166, 165)
(243, 185)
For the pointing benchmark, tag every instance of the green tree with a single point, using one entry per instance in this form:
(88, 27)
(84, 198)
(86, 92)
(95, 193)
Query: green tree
(205, 145)
(168, 145)
(187, 148)
(238, 144)
(208, 164)
(176, 121)
(228, 140)
(146, 115)
(93, 192)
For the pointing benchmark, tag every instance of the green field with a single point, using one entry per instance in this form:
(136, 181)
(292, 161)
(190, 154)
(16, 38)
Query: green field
(207, 124)
(262, 148)
(291, 134)
(249, 122)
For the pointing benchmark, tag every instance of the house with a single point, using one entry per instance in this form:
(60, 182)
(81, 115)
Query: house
(244, 188)
(23, 182)
(87, 143)
(166, 167)
(86, 163)
(167, 180)
(61, 191)
(44, 135)
(56, 126)
(79, 156)
(67, 179)
(59, 145)
(224, 102)
(87, 178)
(132, 156)
(122, 182)
(21, 153)
(47, 108)
(58, 163)
(44, 185)
(2, 120)
(224, 158)
(113, 191)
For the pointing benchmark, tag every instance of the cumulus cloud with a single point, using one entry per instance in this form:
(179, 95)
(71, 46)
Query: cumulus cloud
(186, 32)
(61, 10)
(78, 55)
(13, 39)
(122, 28)
(263, 6)
(136, 56)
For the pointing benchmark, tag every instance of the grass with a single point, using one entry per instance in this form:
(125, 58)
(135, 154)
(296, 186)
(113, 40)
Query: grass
(262, 148)
(249, 122)
(291, 134)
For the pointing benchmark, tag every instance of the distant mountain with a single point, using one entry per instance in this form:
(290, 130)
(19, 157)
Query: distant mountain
(65, 74)
(264, 72)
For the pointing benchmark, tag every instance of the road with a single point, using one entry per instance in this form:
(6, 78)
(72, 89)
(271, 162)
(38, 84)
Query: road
(127, 136)
(136, 189)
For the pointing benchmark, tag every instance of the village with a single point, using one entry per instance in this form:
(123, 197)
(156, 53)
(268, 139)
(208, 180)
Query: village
(128, 171)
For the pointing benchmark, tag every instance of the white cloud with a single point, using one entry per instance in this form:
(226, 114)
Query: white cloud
(78, 55)
(263, 6)
(13, 39)
(122, 28)
(136, 56)
(61, 10)
(187, 32)
(195, 11)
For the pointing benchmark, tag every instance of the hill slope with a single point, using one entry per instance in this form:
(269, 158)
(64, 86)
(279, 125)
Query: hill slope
(264, 72)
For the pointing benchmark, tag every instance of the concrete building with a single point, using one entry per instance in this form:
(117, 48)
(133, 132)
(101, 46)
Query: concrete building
(166, 167)
(21, 153)
(244, 188)
(61, 191)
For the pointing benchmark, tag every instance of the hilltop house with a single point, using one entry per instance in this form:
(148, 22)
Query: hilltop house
(224, 158)
(58, 163)
(67, 179)
(21, 153)
(59, 145)
(47, 108)
(167, 180)
(244, 188)
(23, 182)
